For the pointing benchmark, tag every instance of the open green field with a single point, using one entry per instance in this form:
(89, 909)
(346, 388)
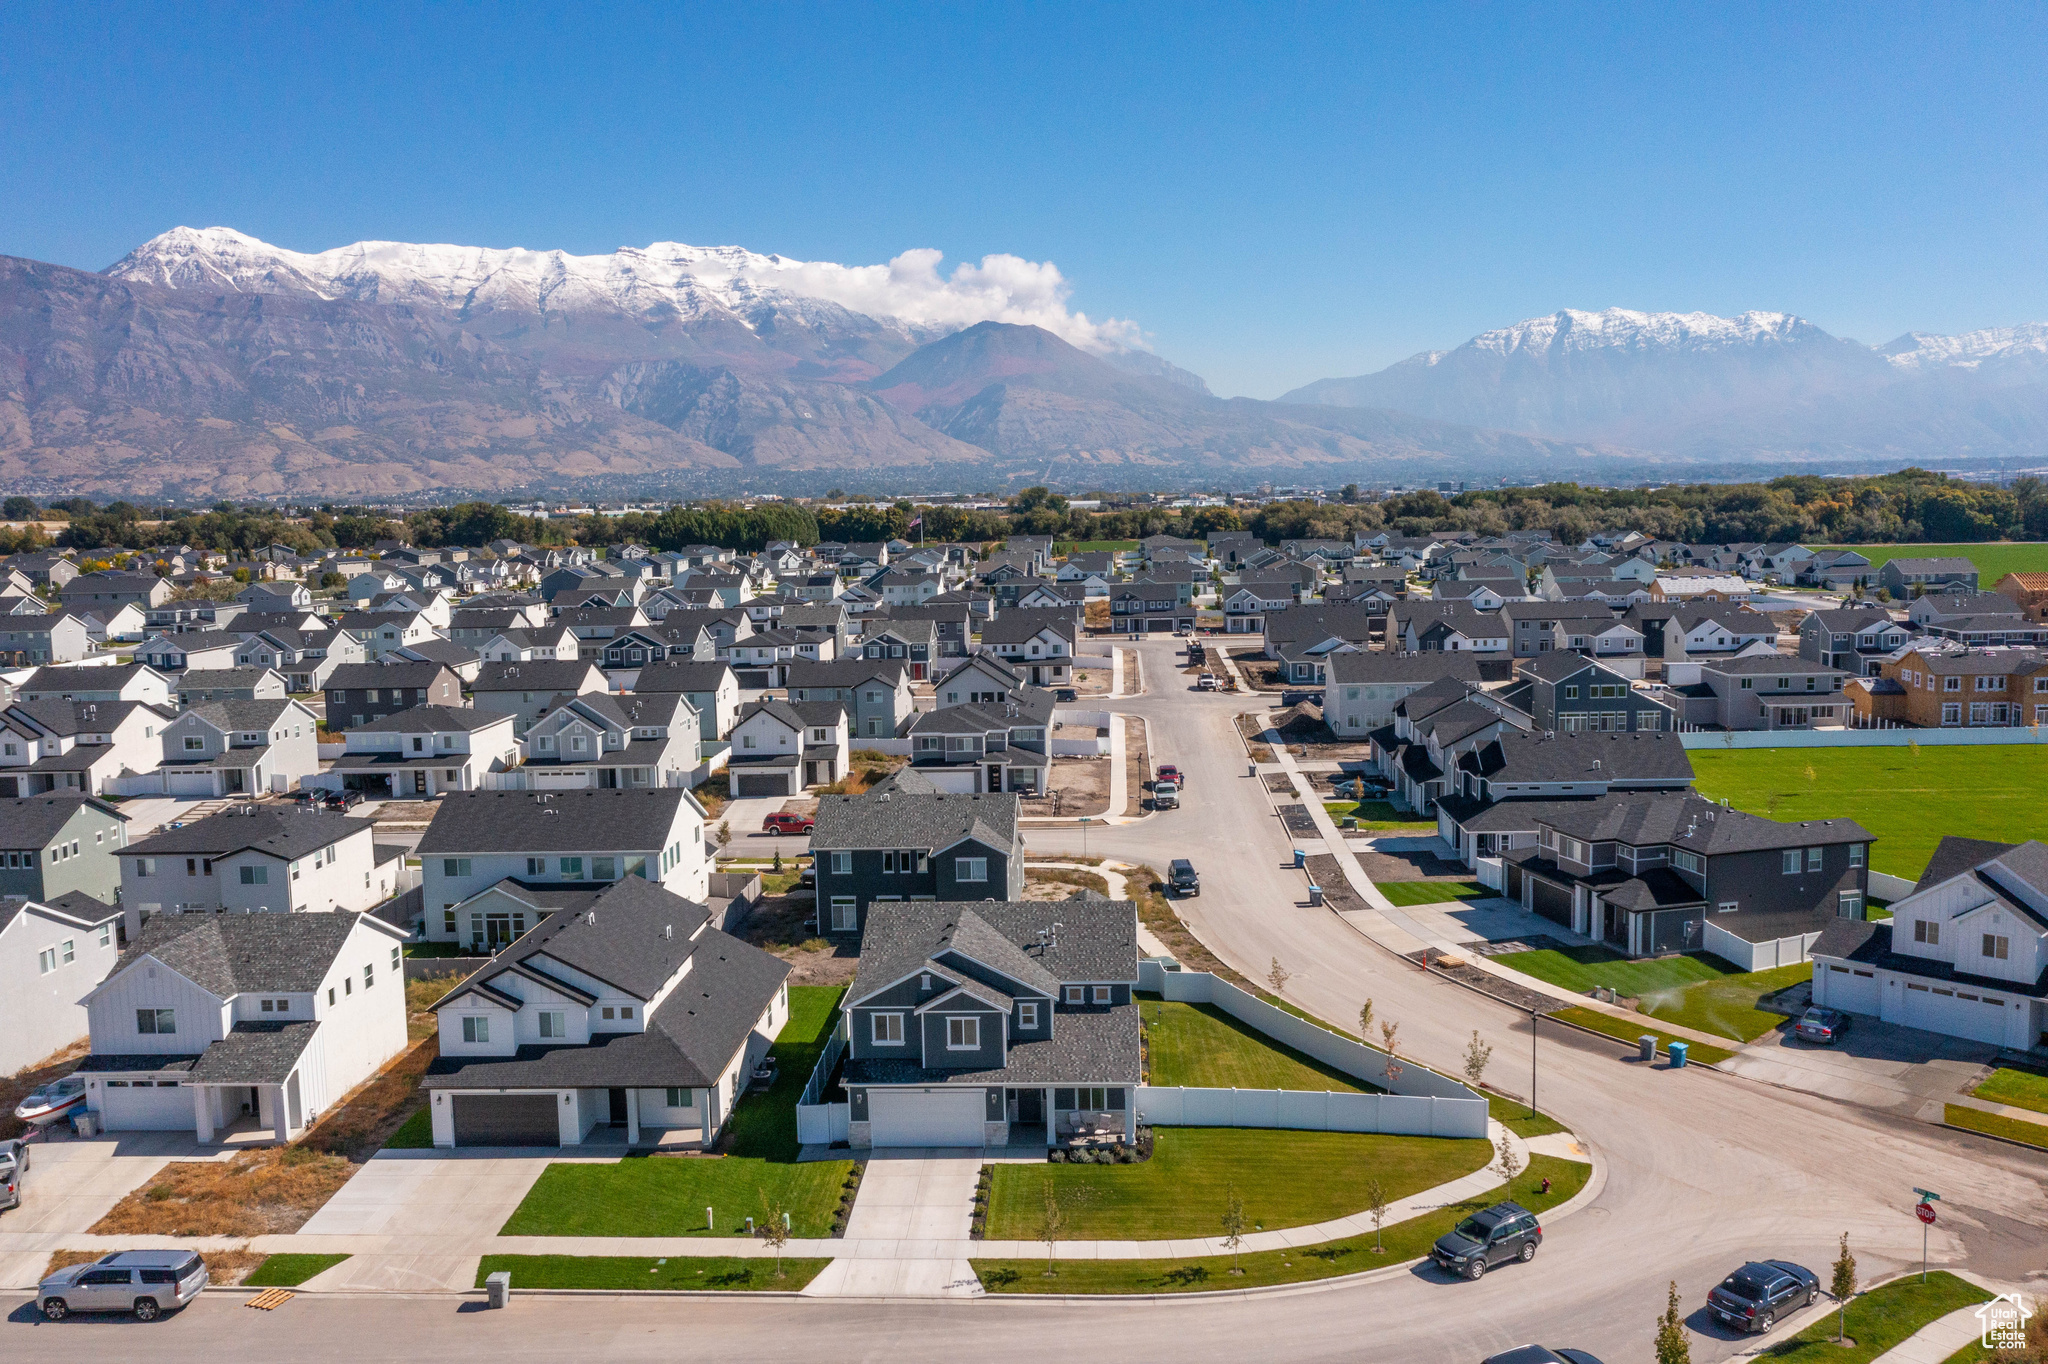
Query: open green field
(1066, 547)
(1432, 892)
(1994, 560)
(657, 1196)
(1202, 1047)
(1696, 990)
(1879, 1320)
(1287, 1179)
(1907, 797)
(1396, 1243)
(677, 1273)
(2015, 1088)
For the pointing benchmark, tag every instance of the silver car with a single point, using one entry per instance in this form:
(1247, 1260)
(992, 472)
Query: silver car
(13, 1165)
(145, 1282)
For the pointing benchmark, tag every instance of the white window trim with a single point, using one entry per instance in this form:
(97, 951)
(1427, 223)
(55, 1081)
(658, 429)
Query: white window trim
(876, 1029)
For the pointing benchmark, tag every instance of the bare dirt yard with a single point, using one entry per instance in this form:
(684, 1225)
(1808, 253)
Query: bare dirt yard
(1137, 765)
(1260, 673)
(1095, 681)
(1078, 786)
(781, 925)
(1060, 883)
(1407, 866)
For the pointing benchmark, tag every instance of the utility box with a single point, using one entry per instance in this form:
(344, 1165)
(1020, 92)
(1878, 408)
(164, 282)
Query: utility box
(499, 1286)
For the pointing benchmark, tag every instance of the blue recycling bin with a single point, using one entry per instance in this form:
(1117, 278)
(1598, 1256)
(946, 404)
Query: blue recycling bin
(1300, 859)
(1677, 1050)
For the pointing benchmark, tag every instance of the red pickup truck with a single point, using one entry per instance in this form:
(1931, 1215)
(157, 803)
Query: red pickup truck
(783, 822)
(1168, 772)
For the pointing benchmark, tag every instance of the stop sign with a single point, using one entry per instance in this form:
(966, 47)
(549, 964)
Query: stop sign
(1925, 1212)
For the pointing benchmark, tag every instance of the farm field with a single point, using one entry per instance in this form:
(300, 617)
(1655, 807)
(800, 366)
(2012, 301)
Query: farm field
(1993, 560)
(1907, 797)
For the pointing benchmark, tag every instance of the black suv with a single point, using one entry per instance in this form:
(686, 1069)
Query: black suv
(1505, 1231)
(1756, 1295)
(1182, 879)
(1537, 1354)
(343, 800)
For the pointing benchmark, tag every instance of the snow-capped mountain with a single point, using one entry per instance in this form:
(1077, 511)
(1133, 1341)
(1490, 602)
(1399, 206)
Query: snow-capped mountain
(1625, 329)
(666, 281)
(2026, 343)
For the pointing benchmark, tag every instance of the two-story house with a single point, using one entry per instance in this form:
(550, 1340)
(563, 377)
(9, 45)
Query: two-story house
(1966, 954)
(50, 956)
(52, 846)
(1947, 686)
(524, 690)
(609, 741)
(912, 643)
(711, 688)
(239, 748)
(994, 1023)
(358, 693)
(991, 746)
(1498, 790)
(781, 747)
(37, 640)
(1570, 692)
(172, 652)
(1363, 687)
(231, 684)
(1433, 727)
(876, 692)
(120, 682)
(484, 846)
(91, 591)
(306, 657)
(425, 751)
(1853, 639)
(902, 845)
(1147, 605)
(1039, 645)
(1763, 691)
(625, 1015)
(77, 746)
(1652, 873)
(1911, 577)
(255, 859)
(213, 1024)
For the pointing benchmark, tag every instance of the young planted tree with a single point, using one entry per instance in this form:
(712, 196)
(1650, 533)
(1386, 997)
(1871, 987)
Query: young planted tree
(1477, 1054)
(774, 1229)
(1389, 1033)
(1365, 1021)
(1052, 1222)
(1233, 1224)
(1844, 1288)
(1506, 1160)
(1672, 1345)
(1376, 1207)
(1278, 977)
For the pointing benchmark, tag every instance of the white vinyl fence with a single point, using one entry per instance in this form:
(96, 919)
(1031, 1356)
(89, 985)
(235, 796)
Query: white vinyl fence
(1492, 874)
(1887, 887)
(1757, 956)
(817, 1122)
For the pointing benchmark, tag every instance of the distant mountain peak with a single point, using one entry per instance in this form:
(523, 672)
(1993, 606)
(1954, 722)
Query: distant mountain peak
(1626, 328)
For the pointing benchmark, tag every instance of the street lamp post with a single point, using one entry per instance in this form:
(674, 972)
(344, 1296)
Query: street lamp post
(1085, 822)
(1532, 1062)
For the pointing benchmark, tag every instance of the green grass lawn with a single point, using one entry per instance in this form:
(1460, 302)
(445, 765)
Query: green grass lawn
(429, 950)
(1628, 1030)
(1400, 1242)
(1377, 814)
(1993, 560)
(1067, 547)
(1908, 798)
(688, 1273)
(2015, 1087)
(289, 1271)
(1202, 1047)
(1516, 1118)
(1287, 1179)
(1432, 892)
(1695, 990)
(1879, 1320)
(416, 1133)
(1996, 1125)
(658, 1196)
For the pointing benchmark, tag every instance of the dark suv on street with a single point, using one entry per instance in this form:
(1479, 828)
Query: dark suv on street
(1756, 1295)
(1181, 877)
(1505, 1231)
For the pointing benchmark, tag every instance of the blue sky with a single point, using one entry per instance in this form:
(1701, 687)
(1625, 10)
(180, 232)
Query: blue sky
(1274, 194)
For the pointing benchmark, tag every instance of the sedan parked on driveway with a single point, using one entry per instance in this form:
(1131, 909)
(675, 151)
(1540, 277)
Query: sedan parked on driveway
(145, 1282)
(1756, 1296)
(783, 822)
(1825, 1026)
(13, 1169)
(1503, 1232)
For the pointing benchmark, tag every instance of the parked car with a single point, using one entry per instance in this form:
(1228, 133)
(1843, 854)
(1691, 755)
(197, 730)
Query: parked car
(783, 822)
(1756, 1295)
(309, 795)
(53, 1102)
(1181, 878)
(1503, 1232)
(1538, 1354)
(1206, 682)
(145, 1282)
(1825, 1026)
(1168, 772)
(13, 1167)
(1065, 694)
(343, 800)
(1165, 795)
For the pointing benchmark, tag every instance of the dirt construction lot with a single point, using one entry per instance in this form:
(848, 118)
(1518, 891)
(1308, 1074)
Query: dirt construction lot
(1082, 785)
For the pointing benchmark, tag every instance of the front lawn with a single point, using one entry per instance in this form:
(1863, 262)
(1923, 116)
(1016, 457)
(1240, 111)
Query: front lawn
(1880, 1319)
(1401, 1242)
(416, 1133)
(1907, 797)
(676, 1273)
(1432, 892)
(1628, 1030)
(289, 1271)
(1515, 1116)
(1202, 1047)
(1695, 990)
(665, 1196)
(1378, 815)
(1287, 1179)
(429, 950)
(2016, 1088)
(1996, 1125)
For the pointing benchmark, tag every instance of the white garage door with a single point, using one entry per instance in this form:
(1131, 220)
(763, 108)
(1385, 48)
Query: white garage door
(141, 1106)
(189, 783)
(1851, 989)
(913, 1117)
(1957, 1011)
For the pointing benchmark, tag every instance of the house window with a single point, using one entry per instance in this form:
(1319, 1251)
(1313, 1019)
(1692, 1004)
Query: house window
(476, 1028)
(106, 935)
(1728, 906)
(888, 1030)
(255, 876)
(1927, 932)
(1100, 993)
(1071, 994)
(963, 1034)
(1849, 904)
(144, 866)
(156, 1021)
(70, 952)
(1813, 859)
(679, 1098)
(536, 866)
(1794, 862)
(970, 869)
(553, 1024)
(1027, 1015)
(845, 918)
(1997, 946)
(46, 961)
(1952, 712)
(604, 869)
(455, 866)
(572, 868)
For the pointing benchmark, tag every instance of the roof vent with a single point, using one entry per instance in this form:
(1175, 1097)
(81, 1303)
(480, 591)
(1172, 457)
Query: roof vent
(668, 931)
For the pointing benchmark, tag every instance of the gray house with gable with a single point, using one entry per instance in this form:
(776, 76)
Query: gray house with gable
(903, 845)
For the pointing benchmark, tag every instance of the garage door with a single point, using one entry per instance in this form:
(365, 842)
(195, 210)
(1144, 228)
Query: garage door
(1957, 1011)
(188, 783)
(761, 784)
(507, 1120)
(144, 1106)
(1851, 989)
(1552, 902)
(944, 1117)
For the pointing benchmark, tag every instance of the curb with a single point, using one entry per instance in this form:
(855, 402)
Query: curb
(1992, 1136)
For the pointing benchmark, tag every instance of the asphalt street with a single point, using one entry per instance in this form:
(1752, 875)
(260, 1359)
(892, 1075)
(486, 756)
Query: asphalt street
(1701, 1171)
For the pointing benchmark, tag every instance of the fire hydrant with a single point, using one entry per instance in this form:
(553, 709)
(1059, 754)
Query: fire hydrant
(1546, 1184)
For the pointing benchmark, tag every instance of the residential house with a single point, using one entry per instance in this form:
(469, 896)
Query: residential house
(542, 643)
(1364, 688)
(175, 652)
(1911, 577)
(2028, 592)
(1692, 585)
(212, 1024)
(358, 693)
(1000, 746)
(1039, 645)
(523, 690)
(276, 596)
(992, 1023)
(51, 955)
(1246, 606)
(911, 643)
(1674, 630)
(1838, 570)
(1435, 726)
(982, 680)
(120, 623)
(1446, 627)
(876, 692)
(1094, 573)
(780, 748)
(231, 684)
(1965, 955)
(626, 1015)
(108, 589)
(1854, 639)
(896, 845)
(428, 750)
(239, 748)
(56, 846)
(1147, 604)
(609, 741)
(710, 687)
(1946, 686)
(381, 632)
(1044, 596)
(79, 747)
(307, 658)
(34, 641)
(456, 658)
(1762, 692)
(120, 682)
(43, 568)
(258, 859)
(552, 840)
(1571, 693)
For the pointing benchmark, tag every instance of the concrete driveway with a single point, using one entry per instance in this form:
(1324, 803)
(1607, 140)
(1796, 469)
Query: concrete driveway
(72, 1182)
(1880, 1065)
(916, 1195)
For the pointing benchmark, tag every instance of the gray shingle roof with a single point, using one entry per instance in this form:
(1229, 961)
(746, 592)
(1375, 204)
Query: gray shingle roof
(682, 674)
(1364, 668)
(257, 1053)
(1696, 823)
(538, 675)
(558, 821)
(1535, 758)
(429, 720)
(898, 819)
(1096, 940)
(242, 713)
(231, 954)
(844, 672)
(286, 832)
(1955, 855)
(31, 821)
(356, 676)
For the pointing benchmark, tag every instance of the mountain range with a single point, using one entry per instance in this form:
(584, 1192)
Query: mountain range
(207, 363)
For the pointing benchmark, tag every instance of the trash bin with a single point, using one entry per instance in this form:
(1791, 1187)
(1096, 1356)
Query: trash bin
(1677, 1050)
(85, 1123)
(1350, 821)
(1251, 769)
(1315, 895)
(1646, 1048)
(500, 1287)
(1300, 859)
